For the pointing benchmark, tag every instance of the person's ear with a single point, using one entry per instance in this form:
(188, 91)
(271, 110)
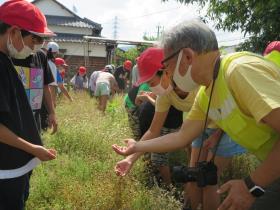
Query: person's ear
(14, 32)
(168, 73)
(188, 55)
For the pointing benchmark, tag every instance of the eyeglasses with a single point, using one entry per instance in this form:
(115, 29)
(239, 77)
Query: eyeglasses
(171, 56)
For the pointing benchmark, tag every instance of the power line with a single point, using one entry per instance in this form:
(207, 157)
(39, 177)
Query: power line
(149, 14)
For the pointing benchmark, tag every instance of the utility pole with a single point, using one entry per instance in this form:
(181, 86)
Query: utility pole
(158, 31)
(115, 28)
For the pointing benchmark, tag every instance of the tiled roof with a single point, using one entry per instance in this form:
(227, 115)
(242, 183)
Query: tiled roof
(73, 22)
(63, 37)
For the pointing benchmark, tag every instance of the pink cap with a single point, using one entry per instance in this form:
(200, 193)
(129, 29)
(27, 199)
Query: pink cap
(275, 45)
(149, 63)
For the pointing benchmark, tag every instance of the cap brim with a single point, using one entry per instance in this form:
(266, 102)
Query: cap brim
(144, 79)
(47, 33)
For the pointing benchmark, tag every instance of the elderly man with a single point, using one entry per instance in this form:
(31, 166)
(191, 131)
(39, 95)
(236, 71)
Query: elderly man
(251, 117)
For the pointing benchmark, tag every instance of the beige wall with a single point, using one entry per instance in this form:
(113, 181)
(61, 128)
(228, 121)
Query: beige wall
(80, 49)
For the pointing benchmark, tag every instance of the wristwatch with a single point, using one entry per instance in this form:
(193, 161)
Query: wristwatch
(255, 190)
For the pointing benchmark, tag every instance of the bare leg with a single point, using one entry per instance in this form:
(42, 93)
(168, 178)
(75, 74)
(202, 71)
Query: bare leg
(211, 199)
(53, 94)
(103, 103)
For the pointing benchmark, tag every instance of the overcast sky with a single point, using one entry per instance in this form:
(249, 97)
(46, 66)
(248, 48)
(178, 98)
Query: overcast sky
(137, 17)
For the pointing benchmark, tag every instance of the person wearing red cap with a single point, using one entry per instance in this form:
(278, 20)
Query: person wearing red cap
(80, 80)
(23, 28)
(61, 66)
(122, 74)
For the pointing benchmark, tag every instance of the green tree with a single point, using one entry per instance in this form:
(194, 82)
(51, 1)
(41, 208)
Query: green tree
(258, 19)
(131, 54)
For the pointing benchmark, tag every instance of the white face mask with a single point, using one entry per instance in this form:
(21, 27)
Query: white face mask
(160, 91)
(37, 47)
(185, 83)
(14, 53)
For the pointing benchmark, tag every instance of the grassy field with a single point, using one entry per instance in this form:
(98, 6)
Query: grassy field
(82, 176)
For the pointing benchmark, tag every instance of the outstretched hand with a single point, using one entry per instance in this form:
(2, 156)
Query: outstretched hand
(123, 167)
(126, 150)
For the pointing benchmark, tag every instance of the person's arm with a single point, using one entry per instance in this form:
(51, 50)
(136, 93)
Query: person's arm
(9, 138)
(268, 171)
(144, 96)
(190, 130)
(50, 108)
(64, 91)
(152, 132)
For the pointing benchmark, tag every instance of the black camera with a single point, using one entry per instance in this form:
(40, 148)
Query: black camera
(205, 173)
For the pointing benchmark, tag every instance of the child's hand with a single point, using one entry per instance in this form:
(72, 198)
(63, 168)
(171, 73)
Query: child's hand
(123, 167)
(43, 154)
(125, 151)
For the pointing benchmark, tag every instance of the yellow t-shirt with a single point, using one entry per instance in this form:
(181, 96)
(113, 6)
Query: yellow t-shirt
(164, 102)
(255, 85)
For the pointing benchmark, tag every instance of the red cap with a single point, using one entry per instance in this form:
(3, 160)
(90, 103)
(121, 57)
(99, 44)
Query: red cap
(275, 45)
(60, 62)
(26, 16)
(127, 65)
(82, 70)
(149, 63)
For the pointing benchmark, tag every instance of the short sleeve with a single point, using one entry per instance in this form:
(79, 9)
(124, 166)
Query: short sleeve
(48, 77)
(162, 104)
(261, 80)
(196, 112)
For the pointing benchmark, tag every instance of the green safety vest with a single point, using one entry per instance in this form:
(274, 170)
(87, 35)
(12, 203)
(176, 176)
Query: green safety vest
(258, 138)
(274, 56)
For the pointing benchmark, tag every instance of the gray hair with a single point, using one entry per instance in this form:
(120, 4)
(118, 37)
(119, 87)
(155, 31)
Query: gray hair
(192, 34)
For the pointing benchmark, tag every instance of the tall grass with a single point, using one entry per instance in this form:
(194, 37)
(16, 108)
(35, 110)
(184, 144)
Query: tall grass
(82, 176)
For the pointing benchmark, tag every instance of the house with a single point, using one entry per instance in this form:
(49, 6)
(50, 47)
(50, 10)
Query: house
(70, 30)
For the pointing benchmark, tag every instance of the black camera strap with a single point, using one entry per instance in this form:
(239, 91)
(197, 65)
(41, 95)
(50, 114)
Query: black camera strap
(204, 134)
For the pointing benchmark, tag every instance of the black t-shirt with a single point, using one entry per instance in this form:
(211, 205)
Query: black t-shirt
(121, 75)
(16, 115)
(146, 111)
(174, 118)
(37, 60)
